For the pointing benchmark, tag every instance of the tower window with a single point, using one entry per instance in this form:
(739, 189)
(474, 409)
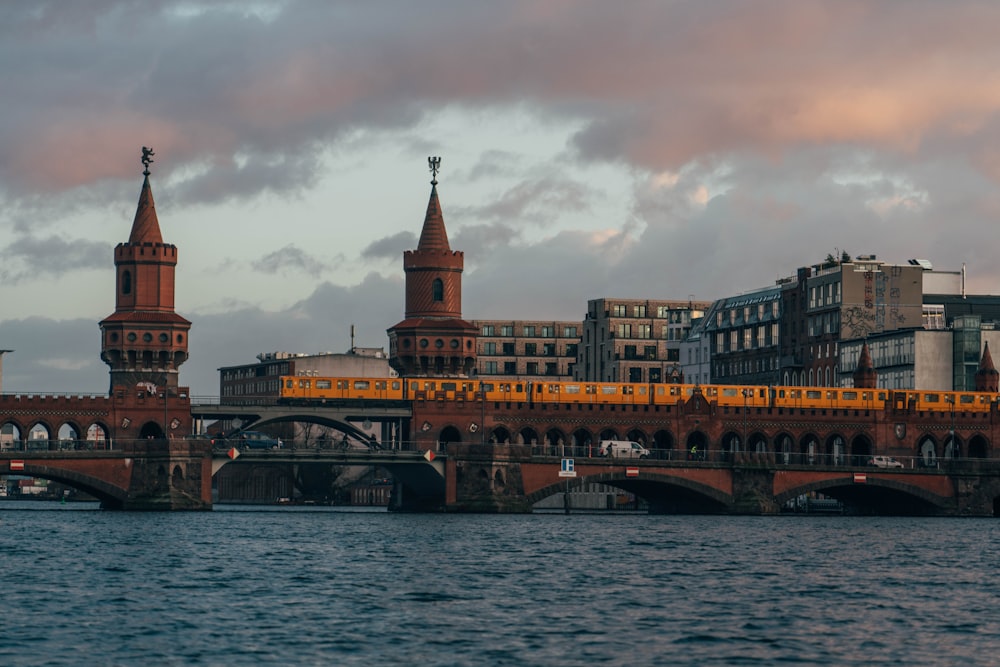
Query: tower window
(126, 282)
(438, 290)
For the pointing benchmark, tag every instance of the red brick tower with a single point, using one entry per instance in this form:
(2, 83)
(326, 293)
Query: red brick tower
(864, 375)
(987, 376)
(144, 341)
(433, 340)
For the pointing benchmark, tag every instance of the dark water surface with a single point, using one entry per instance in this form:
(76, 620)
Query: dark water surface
(294, 586)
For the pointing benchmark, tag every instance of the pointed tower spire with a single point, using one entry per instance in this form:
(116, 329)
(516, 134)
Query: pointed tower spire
(433, 339)
(145, 341)
(987, 377)
(433, 235)
(864, 376)
(145, 226)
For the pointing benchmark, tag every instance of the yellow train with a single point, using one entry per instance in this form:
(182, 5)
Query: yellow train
(315, 389)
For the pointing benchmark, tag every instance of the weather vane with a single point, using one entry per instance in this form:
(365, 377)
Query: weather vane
(435, 166)
(147, 157)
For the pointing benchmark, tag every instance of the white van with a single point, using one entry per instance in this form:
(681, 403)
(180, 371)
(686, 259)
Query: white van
(622, 449)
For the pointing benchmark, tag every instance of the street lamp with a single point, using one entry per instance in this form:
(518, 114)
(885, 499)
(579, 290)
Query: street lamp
(482, 414)
(951, 433)
(746, 444)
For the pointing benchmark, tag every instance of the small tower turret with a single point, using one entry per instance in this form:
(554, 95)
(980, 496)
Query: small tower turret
(987, 377)
(864, 375)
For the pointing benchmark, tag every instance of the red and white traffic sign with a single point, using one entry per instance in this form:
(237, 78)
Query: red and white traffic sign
(631, 472)
(17, 465)
(429, 455)
(860, 478)
(233, 453)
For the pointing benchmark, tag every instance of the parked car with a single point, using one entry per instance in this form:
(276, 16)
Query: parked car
(884, 462)
(258, 440)
(622, 449)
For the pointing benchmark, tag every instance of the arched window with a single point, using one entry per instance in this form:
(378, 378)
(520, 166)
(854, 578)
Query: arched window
(126, 282)
(438, 290)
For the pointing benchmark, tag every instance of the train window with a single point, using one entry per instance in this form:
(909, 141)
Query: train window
(642, 390)
(520, 388)
(608, 390)
(395, 385)
(553, 388)
(932, 398)
(590, 389)
(324, 384)
(966, 398)
(814, 394)
(882, 396)
(572, 389)
(831, 395)
(449, 386)
(362, 384)
(289, 384)
(730, 391)
(487, 386)
(781, 393)
(380, 385)
(304, 384)
(851, 395)
(627, 389)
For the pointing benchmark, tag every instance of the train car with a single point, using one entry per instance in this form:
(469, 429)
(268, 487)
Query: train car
(505, 391)
(670, 394)
(732, 396)
(829, 398)
(603, 393)
(943, 401)
(304, 389)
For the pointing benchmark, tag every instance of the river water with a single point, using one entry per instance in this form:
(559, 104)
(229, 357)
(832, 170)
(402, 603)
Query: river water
(318, 586)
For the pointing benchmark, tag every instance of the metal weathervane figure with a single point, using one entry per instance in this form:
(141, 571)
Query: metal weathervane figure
(435, 166)
(147, 157)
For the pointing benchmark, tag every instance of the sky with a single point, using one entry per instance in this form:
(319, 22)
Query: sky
(589, 149)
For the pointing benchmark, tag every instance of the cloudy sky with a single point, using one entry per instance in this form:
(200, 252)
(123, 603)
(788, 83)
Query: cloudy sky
(589, 149)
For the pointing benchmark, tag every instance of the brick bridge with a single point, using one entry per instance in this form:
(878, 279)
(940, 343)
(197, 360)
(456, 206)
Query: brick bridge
(509, 478)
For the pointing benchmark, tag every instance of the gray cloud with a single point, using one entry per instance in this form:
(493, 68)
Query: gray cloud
(390, 247)
(30, 257)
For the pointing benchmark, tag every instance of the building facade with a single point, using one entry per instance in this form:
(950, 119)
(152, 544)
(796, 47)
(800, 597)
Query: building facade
(634, 340)
(527, 348)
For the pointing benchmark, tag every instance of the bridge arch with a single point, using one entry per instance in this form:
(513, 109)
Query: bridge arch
(952, 446)
(345, 427)
(449, 434)
(696, 446)
(979, 447)
(835, 449)
(784, 447)
(584, 439)
(927, 451)
(151, 430)
(109, 495)
(609, 434)
(889, 496)
(662, 492)
(555, 441)
(809, 448)
(500, 435)
(527, 436)
(861, 449)
(757, 443)
(637, 435)
(663, 444)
